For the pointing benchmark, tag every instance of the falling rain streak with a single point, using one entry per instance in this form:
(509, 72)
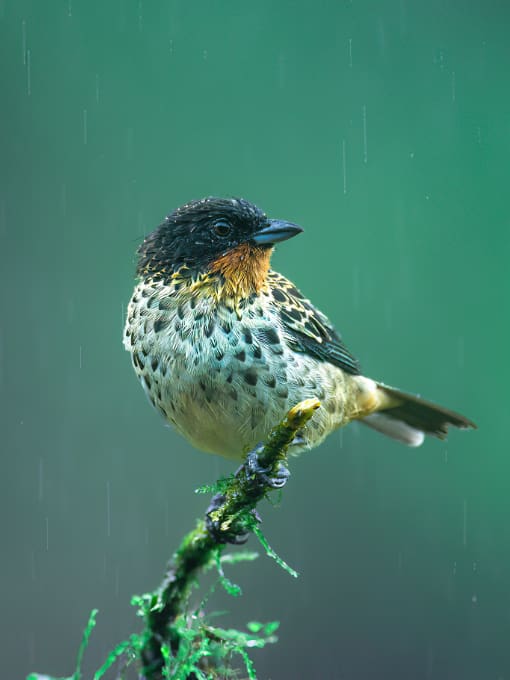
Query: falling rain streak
(40, 481)
(350, 52)
(63, 199)
(108, 510)
(85, 131)
(344, 167)
(140, 16)
(460, 351)
(388, 314)
(365, 150)
(356, 286)
(29, 74)
(464, 524)
(24, 41)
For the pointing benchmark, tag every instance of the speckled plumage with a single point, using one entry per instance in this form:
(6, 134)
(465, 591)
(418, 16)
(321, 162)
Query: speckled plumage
(224, 346)
(224, 378)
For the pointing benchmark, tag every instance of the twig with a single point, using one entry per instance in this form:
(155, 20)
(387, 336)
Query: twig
(230, 517)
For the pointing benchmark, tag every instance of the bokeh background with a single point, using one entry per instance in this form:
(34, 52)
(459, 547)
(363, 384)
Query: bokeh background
(382, 127)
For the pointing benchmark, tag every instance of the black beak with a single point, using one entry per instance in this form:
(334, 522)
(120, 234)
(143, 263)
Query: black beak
(274, 232)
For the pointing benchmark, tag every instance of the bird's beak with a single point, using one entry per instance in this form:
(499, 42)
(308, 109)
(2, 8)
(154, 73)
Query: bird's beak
(274, 232)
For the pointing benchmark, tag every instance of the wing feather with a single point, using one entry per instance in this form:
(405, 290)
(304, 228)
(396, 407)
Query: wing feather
(308, 329)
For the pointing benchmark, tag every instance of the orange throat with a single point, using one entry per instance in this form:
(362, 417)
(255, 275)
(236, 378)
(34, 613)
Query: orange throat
(243, 270)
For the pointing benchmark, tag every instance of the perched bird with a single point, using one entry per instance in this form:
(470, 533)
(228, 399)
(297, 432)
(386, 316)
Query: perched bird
(224, 346)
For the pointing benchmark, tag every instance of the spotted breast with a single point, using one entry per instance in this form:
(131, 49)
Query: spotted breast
(224, 376)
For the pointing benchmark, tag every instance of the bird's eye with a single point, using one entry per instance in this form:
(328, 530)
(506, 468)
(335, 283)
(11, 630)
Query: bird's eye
(222, 227)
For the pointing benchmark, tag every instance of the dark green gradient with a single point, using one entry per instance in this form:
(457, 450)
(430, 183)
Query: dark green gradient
(383, 128)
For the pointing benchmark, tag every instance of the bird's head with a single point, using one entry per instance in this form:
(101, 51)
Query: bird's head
(227, 240)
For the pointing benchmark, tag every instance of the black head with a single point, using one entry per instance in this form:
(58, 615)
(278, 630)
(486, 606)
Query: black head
(198, 233)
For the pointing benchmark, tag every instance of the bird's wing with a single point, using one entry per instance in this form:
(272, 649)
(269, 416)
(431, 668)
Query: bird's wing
(308, 330)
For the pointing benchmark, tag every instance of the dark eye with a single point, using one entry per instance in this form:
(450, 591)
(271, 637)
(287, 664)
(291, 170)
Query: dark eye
(222, 227)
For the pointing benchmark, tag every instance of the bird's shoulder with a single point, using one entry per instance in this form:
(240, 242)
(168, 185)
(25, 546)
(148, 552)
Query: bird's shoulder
(308, 329)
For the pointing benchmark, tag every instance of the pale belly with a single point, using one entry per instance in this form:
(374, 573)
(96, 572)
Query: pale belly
(224, 382)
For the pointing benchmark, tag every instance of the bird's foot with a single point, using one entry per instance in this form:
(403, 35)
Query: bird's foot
(279, 474)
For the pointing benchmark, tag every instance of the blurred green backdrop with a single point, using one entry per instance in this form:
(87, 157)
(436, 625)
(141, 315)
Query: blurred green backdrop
(382, 127)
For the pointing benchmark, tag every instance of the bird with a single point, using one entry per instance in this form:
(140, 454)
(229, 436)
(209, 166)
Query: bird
(224, 345)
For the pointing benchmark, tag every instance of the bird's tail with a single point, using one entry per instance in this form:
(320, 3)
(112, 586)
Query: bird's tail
(408, 418)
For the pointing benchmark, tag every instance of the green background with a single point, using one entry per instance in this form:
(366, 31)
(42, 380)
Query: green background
(383, 128)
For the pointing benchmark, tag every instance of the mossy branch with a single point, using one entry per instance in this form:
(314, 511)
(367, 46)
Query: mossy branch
(175, 644)
(231, 516)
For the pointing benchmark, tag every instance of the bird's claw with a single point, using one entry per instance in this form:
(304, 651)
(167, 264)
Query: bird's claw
(279, 474)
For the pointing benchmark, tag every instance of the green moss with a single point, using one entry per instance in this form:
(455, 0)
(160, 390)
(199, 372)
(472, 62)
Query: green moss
(178, 643)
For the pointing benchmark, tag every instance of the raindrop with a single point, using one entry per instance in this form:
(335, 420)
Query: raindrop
(85, 126)
(29, 74)
(355, 286)
(388, 314)
(41, 480)
(350, 52)
(344, 166)
(69, 8)
(460, 351)
(454, 568)
(129, 142)
(108, 513)
(474, 599)
(403, 17)
(475, 566)
(140, 220)
(24, 41)
(140, 16)
(281, 70)
(464, 523)
(204, 55)
(365, 149)
(63, 199)
(80, 362)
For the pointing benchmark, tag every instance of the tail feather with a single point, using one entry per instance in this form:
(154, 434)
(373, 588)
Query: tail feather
(408, 418)
(396, 429)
